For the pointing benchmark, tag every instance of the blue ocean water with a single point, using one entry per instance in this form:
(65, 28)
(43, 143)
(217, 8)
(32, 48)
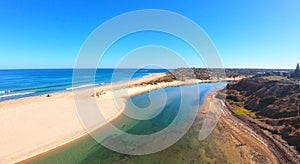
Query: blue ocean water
(15, 84)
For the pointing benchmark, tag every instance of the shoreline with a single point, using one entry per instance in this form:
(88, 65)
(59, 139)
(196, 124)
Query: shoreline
(83, 88)
(58, 141)
(247, 141)
(10, 108)
(282, 151)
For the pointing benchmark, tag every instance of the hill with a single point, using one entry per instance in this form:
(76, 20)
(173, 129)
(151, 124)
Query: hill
(272, 105)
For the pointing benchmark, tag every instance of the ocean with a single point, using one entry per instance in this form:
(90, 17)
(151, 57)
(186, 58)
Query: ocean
(21, 83)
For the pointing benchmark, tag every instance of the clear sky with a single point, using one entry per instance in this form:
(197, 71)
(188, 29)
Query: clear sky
(247, 33)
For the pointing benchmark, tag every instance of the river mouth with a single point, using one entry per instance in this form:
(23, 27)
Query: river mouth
(187, 150)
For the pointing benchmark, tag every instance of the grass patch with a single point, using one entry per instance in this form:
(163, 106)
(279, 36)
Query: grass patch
(241, 111)
(274, 77)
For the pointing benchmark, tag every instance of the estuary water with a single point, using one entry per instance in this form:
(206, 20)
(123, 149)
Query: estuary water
(186, 150)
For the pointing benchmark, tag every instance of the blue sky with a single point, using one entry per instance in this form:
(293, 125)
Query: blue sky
(248, 33)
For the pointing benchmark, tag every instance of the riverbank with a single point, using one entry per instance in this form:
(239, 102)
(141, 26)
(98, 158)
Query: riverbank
(254, 143)
(270, 109)
(250, 146)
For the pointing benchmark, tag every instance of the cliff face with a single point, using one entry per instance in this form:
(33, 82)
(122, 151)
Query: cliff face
(273, 99)
(273, 105)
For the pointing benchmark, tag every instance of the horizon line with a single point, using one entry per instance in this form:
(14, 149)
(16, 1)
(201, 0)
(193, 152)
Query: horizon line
(144, 68)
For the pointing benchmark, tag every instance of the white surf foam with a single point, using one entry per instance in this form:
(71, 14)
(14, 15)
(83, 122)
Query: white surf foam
(16, 94)
(81, 86)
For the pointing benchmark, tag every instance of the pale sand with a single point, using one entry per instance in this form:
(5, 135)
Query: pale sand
(34, 125)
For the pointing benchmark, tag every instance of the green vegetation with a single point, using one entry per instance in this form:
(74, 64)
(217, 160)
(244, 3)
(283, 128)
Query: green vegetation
(271, 104)
(275, 78)
(241, 111)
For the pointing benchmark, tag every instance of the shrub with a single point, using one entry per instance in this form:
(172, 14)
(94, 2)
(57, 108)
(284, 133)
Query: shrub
(241, 111)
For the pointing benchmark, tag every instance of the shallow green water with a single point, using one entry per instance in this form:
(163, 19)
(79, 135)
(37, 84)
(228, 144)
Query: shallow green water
(187, 150)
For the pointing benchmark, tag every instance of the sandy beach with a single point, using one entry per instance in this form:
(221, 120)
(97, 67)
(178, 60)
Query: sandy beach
(34, 125)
